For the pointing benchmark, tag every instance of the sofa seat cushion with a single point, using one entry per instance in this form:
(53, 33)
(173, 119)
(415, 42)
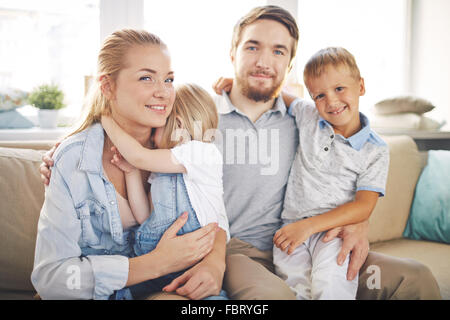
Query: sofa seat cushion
(435, 255)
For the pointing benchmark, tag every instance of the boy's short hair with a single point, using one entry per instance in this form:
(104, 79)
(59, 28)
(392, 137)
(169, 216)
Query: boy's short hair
(334, 56)
(268, 12)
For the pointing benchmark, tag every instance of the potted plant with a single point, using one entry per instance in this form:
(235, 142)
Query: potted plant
(48, 98)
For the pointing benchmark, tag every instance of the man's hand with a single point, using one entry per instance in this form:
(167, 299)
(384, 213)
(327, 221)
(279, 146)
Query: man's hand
(355, 242)
(44, 168)
(292, 235)
(222, 84)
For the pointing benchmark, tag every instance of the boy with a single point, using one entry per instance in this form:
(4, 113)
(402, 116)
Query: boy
(339, 171)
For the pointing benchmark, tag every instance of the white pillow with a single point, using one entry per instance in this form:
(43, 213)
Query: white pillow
(404, 121)
(403, 104)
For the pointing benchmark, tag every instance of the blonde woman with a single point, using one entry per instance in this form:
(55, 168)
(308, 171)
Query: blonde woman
(189, 178)
(85, 231)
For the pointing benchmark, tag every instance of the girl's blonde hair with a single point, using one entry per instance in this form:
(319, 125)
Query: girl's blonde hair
(111, 60)
(198, 114)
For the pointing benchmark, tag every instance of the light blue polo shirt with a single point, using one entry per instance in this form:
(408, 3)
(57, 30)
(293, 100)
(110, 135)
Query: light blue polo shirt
(328, 168)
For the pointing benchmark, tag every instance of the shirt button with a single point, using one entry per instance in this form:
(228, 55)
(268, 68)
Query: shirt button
(332, 136)
(111, 202)
(326, 148)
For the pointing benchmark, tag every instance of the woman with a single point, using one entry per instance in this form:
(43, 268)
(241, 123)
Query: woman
(85, 230)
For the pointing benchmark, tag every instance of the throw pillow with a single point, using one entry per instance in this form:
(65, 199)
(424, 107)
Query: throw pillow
(430, 211)
(12, 98)
(403, 104)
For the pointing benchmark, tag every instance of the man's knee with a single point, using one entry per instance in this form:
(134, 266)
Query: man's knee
(246, 279)
(386, 277)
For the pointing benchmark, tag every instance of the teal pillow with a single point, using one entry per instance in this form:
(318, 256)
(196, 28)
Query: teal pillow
(430, 212)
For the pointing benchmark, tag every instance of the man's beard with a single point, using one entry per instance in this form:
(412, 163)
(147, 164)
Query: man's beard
(257, 94)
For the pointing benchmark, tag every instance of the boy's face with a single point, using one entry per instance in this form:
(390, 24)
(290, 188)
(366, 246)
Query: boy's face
(336, 93)
(261, 59)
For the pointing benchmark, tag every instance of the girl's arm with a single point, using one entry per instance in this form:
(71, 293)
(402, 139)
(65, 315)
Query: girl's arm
(294, 234)
(157, 160)
(137, 197)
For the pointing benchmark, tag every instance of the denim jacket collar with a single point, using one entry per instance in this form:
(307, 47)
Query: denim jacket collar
(91, 158)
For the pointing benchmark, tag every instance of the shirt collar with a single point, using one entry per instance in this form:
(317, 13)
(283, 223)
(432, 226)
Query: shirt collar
(225, 105)
(358, 139)
(92, 152)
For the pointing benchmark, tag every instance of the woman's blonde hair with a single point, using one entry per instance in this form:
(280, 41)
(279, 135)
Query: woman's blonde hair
(197, 111)
(111, 60)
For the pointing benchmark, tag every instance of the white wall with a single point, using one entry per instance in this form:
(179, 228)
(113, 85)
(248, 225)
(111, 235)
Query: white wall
(430, 56)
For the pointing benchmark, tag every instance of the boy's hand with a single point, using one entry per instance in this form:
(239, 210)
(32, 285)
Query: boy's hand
(120, 162)
(292, 235)
(222, 84)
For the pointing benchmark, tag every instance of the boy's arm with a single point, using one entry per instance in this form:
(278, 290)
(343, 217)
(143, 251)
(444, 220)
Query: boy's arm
(137, 197)
(294, 234)
(158, 160)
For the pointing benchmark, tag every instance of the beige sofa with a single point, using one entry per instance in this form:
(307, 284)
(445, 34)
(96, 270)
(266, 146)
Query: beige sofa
(22, 194)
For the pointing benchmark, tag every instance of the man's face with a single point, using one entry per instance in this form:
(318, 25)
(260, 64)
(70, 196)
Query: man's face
(261, 59)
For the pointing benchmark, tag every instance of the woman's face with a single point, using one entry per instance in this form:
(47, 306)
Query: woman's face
(143, 93)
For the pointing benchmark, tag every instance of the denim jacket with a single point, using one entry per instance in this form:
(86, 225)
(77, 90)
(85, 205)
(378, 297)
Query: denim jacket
(82, 250)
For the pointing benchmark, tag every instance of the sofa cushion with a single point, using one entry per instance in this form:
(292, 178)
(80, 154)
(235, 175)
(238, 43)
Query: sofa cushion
(389, 217)
(436, 256)
(23, 194)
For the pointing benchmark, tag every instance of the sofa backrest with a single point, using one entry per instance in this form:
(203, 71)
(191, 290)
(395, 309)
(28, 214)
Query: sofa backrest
(22, 195)
(389, 218)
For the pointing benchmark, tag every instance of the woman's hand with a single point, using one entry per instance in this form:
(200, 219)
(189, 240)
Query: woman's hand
(205, 278)
(47, 162)
(183, 251)
(222, 84)
(355, 242)
(173, 253)
(200, 281)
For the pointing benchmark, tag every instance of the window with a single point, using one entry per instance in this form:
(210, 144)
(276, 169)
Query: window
(198, 34)
(375, 32)
(49, 41)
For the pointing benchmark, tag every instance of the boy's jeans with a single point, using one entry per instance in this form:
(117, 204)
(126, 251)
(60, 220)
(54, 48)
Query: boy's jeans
(170, 199)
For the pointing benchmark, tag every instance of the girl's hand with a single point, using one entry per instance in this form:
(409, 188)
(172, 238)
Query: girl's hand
(292, 235)
(120, 162)
(222, 84)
